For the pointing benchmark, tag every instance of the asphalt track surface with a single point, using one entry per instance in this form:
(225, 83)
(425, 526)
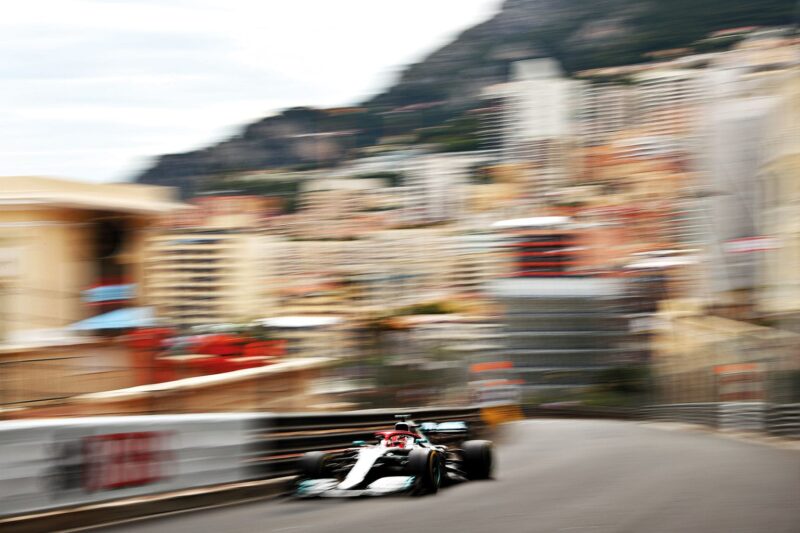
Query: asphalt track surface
(577, 476)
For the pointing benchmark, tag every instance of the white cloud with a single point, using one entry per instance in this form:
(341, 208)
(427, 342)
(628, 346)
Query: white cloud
(90, 89)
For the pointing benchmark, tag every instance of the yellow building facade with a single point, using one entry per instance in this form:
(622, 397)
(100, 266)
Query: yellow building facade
(60, 241)
(59, 238)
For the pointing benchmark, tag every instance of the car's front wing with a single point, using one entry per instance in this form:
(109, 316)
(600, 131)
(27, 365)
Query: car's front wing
(329, 488)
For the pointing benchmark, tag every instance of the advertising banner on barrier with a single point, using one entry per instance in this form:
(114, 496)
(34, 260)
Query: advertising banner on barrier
(47, 464)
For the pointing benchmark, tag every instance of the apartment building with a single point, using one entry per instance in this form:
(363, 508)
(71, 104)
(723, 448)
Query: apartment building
(604, 110)
(435, 186)
(312, 275)
(667, 101)
(382, 270)
(205, 277)
(742, 92)
(477, 260)
(214, 266)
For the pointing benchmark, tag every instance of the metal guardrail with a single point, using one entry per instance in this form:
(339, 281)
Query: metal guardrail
(780, 420)
(706, 414)
(742, 416)
(570, 411)
(783, 420)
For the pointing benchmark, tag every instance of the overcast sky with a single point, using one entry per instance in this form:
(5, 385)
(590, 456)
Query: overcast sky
(91, 89)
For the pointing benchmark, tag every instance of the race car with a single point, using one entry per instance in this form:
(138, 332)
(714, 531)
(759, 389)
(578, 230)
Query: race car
(402, 460)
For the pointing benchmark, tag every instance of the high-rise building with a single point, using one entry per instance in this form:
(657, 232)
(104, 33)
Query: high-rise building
(779, 276)
(604, 109)
(740, 95)
(535, 113)
(543, 101)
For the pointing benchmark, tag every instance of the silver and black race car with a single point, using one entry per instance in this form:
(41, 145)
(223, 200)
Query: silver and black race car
(405, 459)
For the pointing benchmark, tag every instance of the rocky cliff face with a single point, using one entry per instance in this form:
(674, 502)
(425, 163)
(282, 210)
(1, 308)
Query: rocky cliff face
(580, 33)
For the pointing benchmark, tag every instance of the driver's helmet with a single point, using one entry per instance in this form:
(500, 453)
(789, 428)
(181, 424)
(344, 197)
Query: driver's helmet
(400, 441)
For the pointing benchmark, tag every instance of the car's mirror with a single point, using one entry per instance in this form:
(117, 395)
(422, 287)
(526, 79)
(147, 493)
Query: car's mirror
(359, 443)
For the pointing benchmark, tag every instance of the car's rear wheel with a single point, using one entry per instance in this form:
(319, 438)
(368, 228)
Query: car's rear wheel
(478, 459)
(312, 465)
(426, 465)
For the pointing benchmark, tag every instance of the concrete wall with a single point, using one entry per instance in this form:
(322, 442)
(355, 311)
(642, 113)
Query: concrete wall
(282, 386)
(46, 374)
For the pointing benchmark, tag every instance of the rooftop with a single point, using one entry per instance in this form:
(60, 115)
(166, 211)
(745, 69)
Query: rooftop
(57, 192)
(593, 287)
(531, 222)
(300, 321)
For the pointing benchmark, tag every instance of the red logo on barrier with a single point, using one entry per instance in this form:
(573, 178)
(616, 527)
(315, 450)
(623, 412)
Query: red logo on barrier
(121, 460)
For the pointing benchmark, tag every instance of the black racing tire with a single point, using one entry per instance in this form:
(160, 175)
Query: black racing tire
(312, 465)
(426, 465)
(478, 459)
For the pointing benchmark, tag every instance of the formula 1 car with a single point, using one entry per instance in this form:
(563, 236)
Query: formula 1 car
(403, 460)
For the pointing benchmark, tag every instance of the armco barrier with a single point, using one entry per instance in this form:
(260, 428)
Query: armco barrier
(783, 420)
(62, 463)
(780, 420)
(578, 411)
(706, 414)
(742, 416)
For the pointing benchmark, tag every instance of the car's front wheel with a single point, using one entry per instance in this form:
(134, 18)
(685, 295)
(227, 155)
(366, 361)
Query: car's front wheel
(478, 459)
(426, 466)
(312, 465)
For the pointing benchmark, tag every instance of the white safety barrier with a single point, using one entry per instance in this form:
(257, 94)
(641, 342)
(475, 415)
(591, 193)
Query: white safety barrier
(47, 464)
